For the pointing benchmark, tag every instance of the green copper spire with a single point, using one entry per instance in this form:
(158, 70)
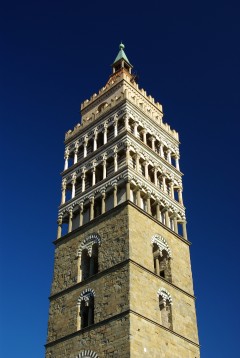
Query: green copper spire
(121, 54)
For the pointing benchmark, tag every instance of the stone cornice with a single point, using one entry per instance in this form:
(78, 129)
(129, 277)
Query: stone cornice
(114, 318)
(165, 328)
(112, 269)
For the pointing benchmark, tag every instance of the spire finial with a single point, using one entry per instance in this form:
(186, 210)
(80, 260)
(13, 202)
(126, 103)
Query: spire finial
(121, 46)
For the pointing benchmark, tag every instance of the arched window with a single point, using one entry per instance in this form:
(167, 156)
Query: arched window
(87, 354)
(85, 309)
(161, 257)
(165, 306)
(88, 257)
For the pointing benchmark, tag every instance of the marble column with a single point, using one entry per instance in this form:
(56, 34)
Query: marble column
(70, 217)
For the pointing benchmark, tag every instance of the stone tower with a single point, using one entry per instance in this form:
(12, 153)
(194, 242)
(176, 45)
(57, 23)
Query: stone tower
(122, 284)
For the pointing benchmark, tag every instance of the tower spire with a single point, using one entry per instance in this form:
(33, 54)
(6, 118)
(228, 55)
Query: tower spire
(121, 61)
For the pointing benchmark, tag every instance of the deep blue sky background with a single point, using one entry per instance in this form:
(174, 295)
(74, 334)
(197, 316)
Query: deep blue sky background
(54, 55)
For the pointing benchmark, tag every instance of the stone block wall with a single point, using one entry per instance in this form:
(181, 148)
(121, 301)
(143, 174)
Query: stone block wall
(127, 318)
(109, 340)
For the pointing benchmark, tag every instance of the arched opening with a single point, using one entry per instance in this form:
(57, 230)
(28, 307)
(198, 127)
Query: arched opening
(85, 264)
(166, 312)
(87, 311)
(161, 258)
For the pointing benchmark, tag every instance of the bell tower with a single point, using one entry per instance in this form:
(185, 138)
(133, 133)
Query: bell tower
(122, 284)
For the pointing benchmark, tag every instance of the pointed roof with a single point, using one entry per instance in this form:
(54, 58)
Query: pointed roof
(121, 55)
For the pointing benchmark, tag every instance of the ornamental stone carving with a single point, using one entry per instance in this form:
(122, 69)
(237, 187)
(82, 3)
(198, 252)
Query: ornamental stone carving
(161, 243)
(88, 243)
(86, 296)
(87, 354)
(165, 295)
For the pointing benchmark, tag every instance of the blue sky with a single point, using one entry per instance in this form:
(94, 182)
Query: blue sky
(54, 55)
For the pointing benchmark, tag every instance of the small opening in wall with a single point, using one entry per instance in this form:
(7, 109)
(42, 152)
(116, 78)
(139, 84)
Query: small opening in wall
(162, 273)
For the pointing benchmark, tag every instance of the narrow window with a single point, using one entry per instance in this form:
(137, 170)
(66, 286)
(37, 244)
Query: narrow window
(166, 312)
(85, 316)
(87, 311)
(161, 263)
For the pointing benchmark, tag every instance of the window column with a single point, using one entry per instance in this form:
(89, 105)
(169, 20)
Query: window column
(137, 157)
(155, 176)
(126, 119)
(127, 153)
(70, 220)
(144, 132)
(105, 127)
(149, 203)
(59, 230)
(114, 195)
(175, 223)
(83, 176)
(73, 182)
(80, 214)
(138, 194)
(171, 188)
(135, 125)
(115, 126)
(103, 209)
(115, 159)
(157, 210)
(166, 215)
(66, 156)
(184, 229)
(180, 198)
(128, 189)
(145, 163)
(153, 139)
(177, 162)
(95, 139)
(64, 185)
(104, 165)
(91, 200)
(161, 150)
(169, 156)
(164, 186)
(76, 152)
(93, 175)
(85, 143)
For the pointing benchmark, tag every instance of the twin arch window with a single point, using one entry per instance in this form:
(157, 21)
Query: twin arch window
(88, 254)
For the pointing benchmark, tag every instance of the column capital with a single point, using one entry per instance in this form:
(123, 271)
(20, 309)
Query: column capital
(59, 220)
(66, 153)
(74, 177)
(76, 144)
(64, 184)
(95, 132)
(91, 199)
(165, 208)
